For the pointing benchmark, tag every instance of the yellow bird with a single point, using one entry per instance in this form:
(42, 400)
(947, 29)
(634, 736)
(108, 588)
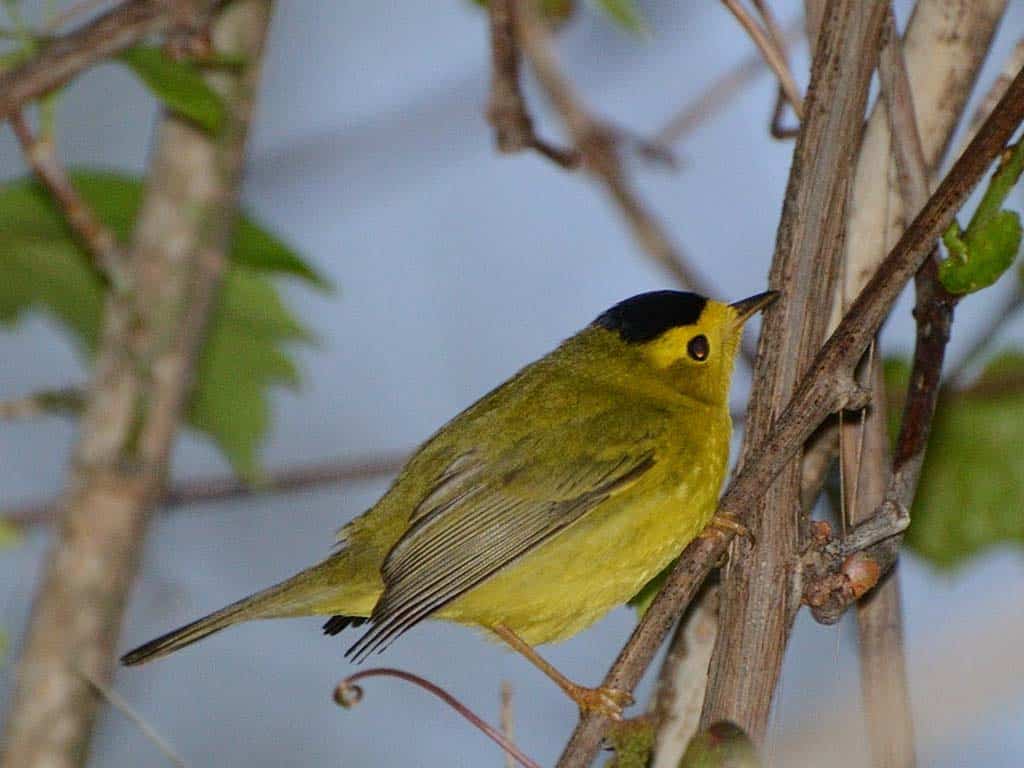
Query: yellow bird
(551, 500)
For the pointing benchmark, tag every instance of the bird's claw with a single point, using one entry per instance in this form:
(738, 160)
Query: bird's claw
(604, 700)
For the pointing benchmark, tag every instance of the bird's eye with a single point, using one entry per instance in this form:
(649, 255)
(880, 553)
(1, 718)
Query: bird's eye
(698, 348)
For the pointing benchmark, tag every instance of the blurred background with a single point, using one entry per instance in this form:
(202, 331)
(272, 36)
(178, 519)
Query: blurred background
(453, 267)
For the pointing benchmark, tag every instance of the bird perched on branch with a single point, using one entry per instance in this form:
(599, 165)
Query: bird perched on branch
(551, 500)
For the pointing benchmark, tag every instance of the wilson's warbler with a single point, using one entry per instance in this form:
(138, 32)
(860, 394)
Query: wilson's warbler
(548, 502)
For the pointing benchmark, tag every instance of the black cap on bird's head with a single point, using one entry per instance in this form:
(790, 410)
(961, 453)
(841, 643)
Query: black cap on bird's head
(646, 316)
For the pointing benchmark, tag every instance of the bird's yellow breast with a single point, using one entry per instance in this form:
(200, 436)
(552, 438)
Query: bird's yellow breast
(604, 559)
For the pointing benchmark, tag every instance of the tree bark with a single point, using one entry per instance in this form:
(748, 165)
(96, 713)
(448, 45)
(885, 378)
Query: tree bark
(758, 599)
(140, 385)
(943, 50)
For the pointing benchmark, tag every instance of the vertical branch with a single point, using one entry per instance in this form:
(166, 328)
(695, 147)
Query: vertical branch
(140, 384)
(937, 55)
(758, 601)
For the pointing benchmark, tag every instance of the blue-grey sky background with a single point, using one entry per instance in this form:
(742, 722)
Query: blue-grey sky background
(455, 266)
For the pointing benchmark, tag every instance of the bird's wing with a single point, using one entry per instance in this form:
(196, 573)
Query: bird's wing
(482, 514)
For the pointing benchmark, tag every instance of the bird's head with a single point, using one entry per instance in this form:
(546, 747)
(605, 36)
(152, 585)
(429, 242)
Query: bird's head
(684, 339)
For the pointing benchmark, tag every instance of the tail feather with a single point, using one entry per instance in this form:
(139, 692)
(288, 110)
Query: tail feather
(186, 635)
(301, 595)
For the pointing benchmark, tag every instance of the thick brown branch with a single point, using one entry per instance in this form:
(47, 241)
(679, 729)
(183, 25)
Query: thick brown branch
(101, 244)
(933, 312)
(822, 390)
(758, 603)
(62, 58)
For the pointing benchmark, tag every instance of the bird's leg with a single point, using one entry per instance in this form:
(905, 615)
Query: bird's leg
(605, 700)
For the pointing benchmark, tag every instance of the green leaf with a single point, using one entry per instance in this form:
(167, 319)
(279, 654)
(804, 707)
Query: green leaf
(242, 357)
(632, 741)
(244, 354)
(971, 491)
(626, 14)
(259, 248)
(722, 745)
(979, 255)
(178, 84)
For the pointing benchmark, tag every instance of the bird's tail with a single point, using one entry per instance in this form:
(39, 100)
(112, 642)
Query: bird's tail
(301, 595)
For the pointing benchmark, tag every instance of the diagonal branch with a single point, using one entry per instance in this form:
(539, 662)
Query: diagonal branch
(101, 244)
(824, 389)
(720, 92)
(768, 42)
(759, 601)
(63, 57)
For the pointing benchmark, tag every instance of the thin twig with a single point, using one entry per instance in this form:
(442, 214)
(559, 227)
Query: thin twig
(507, 719)
(108, 255)
(823, 390)
(297, 478)
(995, 92)
(720, 93)
(63, 57)
(506, 111)
(348, 694)
(981, 343)
(50, 401)
(597, 147)
(778, 38)
(118, 702)
(774, 57)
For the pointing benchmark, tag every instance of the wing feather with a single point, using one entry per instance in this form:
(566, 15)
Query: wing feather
(479, 517)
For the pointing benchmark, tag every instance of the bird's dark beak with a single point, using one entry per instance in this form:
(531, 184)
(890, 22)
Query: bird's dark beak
(747, 307)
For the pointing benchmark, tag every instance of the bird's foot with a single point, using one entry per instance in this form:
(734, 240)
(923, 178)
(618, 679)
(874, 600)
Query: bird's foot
(721, 523)
(604, 700)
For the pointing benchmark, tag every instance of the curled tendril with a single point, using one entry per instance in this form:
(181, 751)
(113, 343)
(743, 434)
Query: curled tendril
(347, 694)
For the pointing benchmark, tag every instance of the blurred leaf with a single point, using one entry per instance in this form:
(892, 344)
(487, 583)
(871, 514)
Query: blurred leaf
(9, 535)
(261, 249)
(972, 483)
(42, 267)
(626, 14)
(722, 745)
(979, 255)
(242, 357)
(178, 84)
(632, 741)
